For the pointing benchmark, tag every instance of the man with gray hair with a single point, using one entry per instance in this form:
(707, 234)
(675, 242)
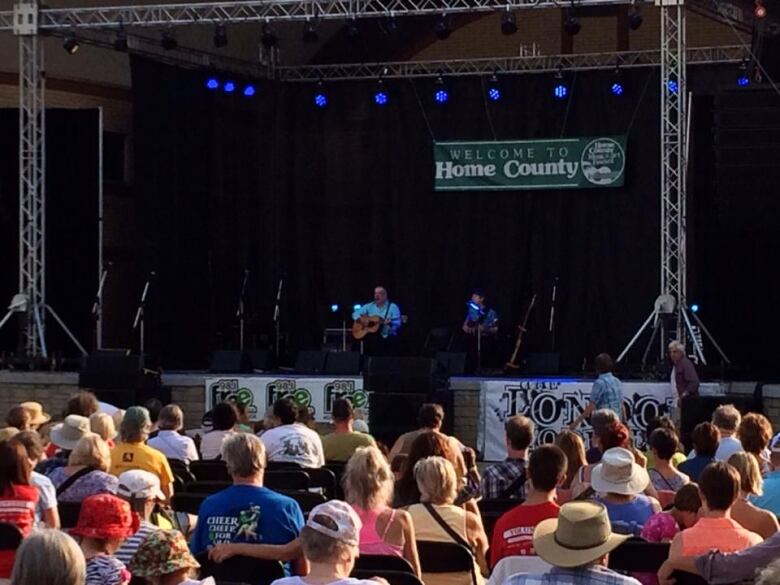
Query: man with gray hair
(132, 452)
(685, 381)
(169, 440)
(240, 519)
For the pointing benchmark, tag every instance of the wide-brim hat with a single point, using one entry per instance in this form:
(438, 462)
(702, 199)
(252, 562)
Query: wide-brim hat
(618, 473)
(161, 553)
(106, 516)
(580, 535)
(37, 415)
(67, 434)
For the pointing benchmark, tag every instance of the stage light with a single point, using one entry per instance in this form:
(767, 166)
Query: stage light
(268, 38)
(249, 90)
(634, 18)
(672, 86)
(759, 10)
(229, 87)
(694, 308)
(508, 23)
(353, 29)
(120, 41)
(356, 307)
(617, 88)
(572, 25)
(380, 94)
(310, 34)
(212, 83)
(168, 42)
(440, 93)
(334, 308)
(220, 36)
(560, 89)
(441, 28)
(493, 89)
(320, 97)
(71, 43)
(743, 78)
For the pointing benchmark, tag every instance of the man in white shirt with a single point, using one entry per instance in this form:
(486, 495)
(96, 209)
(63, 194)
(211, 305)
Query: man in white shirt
(168, 440)
(292, 441)
(726, 418)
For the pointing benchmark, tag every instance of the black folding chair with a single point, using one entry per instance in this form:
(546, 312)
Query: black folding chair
(393, 577)
(69, 513)
(276, 465)
(683, 578)
(492, 510)
(206, 487)
(337, 467)
(10, 536)
(446, 557)
(287, 479)
(368, 563)
(187, 503)
(210, 471)
(306, 500)
(638, 555)
(241, 569)
(323, 478)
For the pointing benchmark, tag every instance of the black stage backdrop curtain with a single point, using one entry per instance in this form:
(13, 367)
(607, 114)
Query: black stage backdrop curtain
(339, 199)
(72, 183)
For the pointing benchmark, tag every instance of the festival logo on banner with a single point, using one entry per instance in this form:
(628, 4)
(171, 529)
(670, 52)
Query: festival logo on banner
(289, 387)
(229, 389)
(346, 389)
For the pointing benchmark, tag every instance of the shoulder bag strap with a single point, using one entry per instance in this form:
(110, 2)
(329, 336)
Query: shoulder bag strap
(452, 534)
(514, 486)
(73, 479)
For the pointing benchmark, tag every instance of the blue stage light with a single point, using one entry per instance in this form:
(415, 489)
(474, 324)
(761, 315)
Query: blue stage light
(441, 96)
(672, 86)
(494, 94)
(560, 91)
(743, 81)
(249, 90)
(356, 307)
(380, 98)
(212, 83)
(229, 87)
(694, 308)
(320, 100)
(334, 308)
(617, 88)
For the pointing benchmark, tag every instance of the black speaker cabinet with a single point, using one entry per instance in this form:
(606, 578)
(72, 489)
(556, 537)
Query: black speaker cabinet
(226, 361)
(401, 375)
(343, 363)
(393, 414)
(310, 362)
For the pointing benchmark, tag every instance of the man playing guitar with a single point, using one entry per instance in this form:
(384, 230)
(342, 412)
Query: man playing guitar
(388, 314)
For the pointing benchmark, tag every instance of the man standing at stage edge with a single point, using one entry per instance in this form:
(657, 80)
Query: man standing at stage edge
(607, 391)
(684, 380)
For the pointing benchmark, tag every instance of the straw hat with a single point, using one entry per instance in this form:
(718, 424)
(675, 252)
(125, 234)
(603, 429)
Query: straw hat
(7, 432)
(580, 535)
(37, 416)
(618, 473)
(67, 434)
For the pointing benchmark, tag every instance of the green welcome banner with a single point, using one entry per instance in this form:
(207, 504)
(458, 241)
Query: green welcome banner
(562, 163)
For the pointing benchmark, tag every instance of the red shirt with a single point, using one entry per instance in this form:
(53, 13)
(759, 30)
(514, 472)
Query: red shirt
(17, 507)
(514, 531)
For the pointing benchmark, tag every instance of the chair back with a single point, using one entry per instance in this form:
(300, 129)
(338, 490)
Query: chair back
(638, 555)
(492, 510)
(683, 578)
(337, 467)
(10, 536)
(324, 478)
(287, 479)
(446, 557)
(241, 569)
(69, 514)
(181, 469)
(187, 502)
(306, 500)
(509, 566)
(206, 487)
(210, 471)
(393, 577)
(382, 563)
(274, 465)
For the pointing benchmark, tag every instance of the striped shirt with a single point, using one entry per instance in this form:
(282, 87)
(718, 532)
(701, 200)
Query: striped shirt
(106, 570)
(131, 544)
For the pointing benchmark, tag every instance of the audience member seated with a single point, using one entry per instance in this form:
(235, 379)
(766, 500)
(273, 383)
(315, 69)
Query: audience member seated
(37, 416)
(224, 419)
(46, 510)
(513, 532)
(746, 514)
(368, 488)
(19, 418)
(599, 420)
(292, 441)
(438, 487)
(755, 432)
(662, 526)
(83, 403)
(141, 490)
(715, 529)
(663, 445)
(705, 437)
(661, 422)
(64, 438)
(727, 418)
(18, 497)
(154, 406)
(342, 442)
(169, 440)
(609, 437)
(102, 424)
(507, 478)
(577, 544)
(86, 473)
(133, 453)
(243, 424)
(330, 545)
(105, 521)
(64, 564)
(164, 559)
(572, 446)
(770, 500)
(619, 483)
(236, 520)
(429, 418)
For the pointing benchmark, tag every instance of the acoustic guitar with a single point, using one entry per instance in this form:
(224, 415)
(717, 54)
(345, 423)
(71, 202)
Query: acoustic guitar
(361, 329)
(512, 363)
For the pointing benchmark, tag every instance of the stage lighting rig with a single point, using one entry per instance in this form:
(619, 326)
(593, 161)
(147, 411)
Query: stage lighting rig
(634, 17)
(268, 37)
(320, 97)
(310, 34)
(759, 10)
(381, 96)
(71, 43)
(617, 87)
(441, 28)
(560, 87)
(572, 25)
(493, 90)
(220, 36)
(508, 23)
(440, 92)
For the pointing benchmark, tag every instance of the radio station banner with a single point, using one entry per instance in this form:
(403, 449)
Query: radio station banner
(563, 163)
(260, 393)
(554, 404)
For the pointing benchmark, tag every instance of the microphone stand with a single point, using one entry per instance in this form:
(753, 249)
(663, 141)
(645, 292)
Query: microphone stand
(552, 314)
(97, 308)
(276, 313)
(240, 311)
(139, 314)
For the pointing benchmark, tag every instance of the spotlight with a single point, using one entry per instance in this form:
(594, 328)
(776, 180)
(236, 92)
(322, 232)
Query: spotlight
(268, 38)
(380, 95)
(356, 307)
(672, 86)
(572, 25)
(759, 10)
(353, 29)
(334, 308)
(70, 44)
(212, 83)
(249, 90)
(168, 41)
(440, 93)
(229, 87)
(120, 42)
(560, 89)
(441, 28)
(220, 36)
(694, 308)
(493, 89)
(310, 34)
(743, 79)
(508, 23)
(320, 97)
(617, 88)
(634, 18)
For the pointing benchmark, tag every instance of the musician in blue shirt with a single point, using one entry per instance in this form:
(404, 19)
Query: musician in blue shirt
(480, 316)
(385, 310)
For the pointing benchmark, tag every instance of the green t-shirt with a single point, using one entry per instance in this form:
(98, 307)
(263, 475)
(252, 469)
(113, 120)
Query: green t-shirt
(341, 446)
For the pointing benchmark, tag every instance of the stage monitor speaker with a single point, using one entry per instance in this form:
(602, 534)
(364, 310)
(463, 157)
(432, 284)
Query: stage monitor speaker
(451, 364)
(699, 409)
(393, 414)
(111, 370)
(343, 363)
(401, 375)
(311, 362)
(227, 361)
(545, 364)
(260, 359)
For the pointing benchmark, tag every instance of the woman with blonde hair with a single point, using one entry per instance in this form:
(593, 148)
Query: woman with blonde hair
(574, 448)
(64, 564)
(103, 425)
(86, 473)
(438, 485)
(748, 515)
(368, 488)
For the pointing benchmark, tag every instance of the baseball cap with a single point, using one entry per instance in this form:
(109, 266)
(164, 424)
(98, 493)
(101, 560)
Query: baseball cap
(336, 519)
(139, 484)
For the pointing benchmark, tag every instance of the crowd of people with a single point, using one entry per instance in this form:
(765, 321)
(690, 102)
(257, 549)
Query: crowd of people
(564, 508)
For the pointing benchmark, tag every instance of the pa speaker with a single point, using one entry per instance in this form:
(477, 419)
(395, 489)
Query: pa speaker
(406, 375)
(699, 409)
(451, 364)
(311, 362)
(111, 370)
(230, 362)
(343, 362)
(260, 359)
(393, 414)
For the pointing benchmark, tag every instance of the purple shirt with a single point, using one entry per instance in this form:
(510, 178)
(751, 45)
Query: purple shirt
(685, 377)
(718, 568)
(94, 482)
